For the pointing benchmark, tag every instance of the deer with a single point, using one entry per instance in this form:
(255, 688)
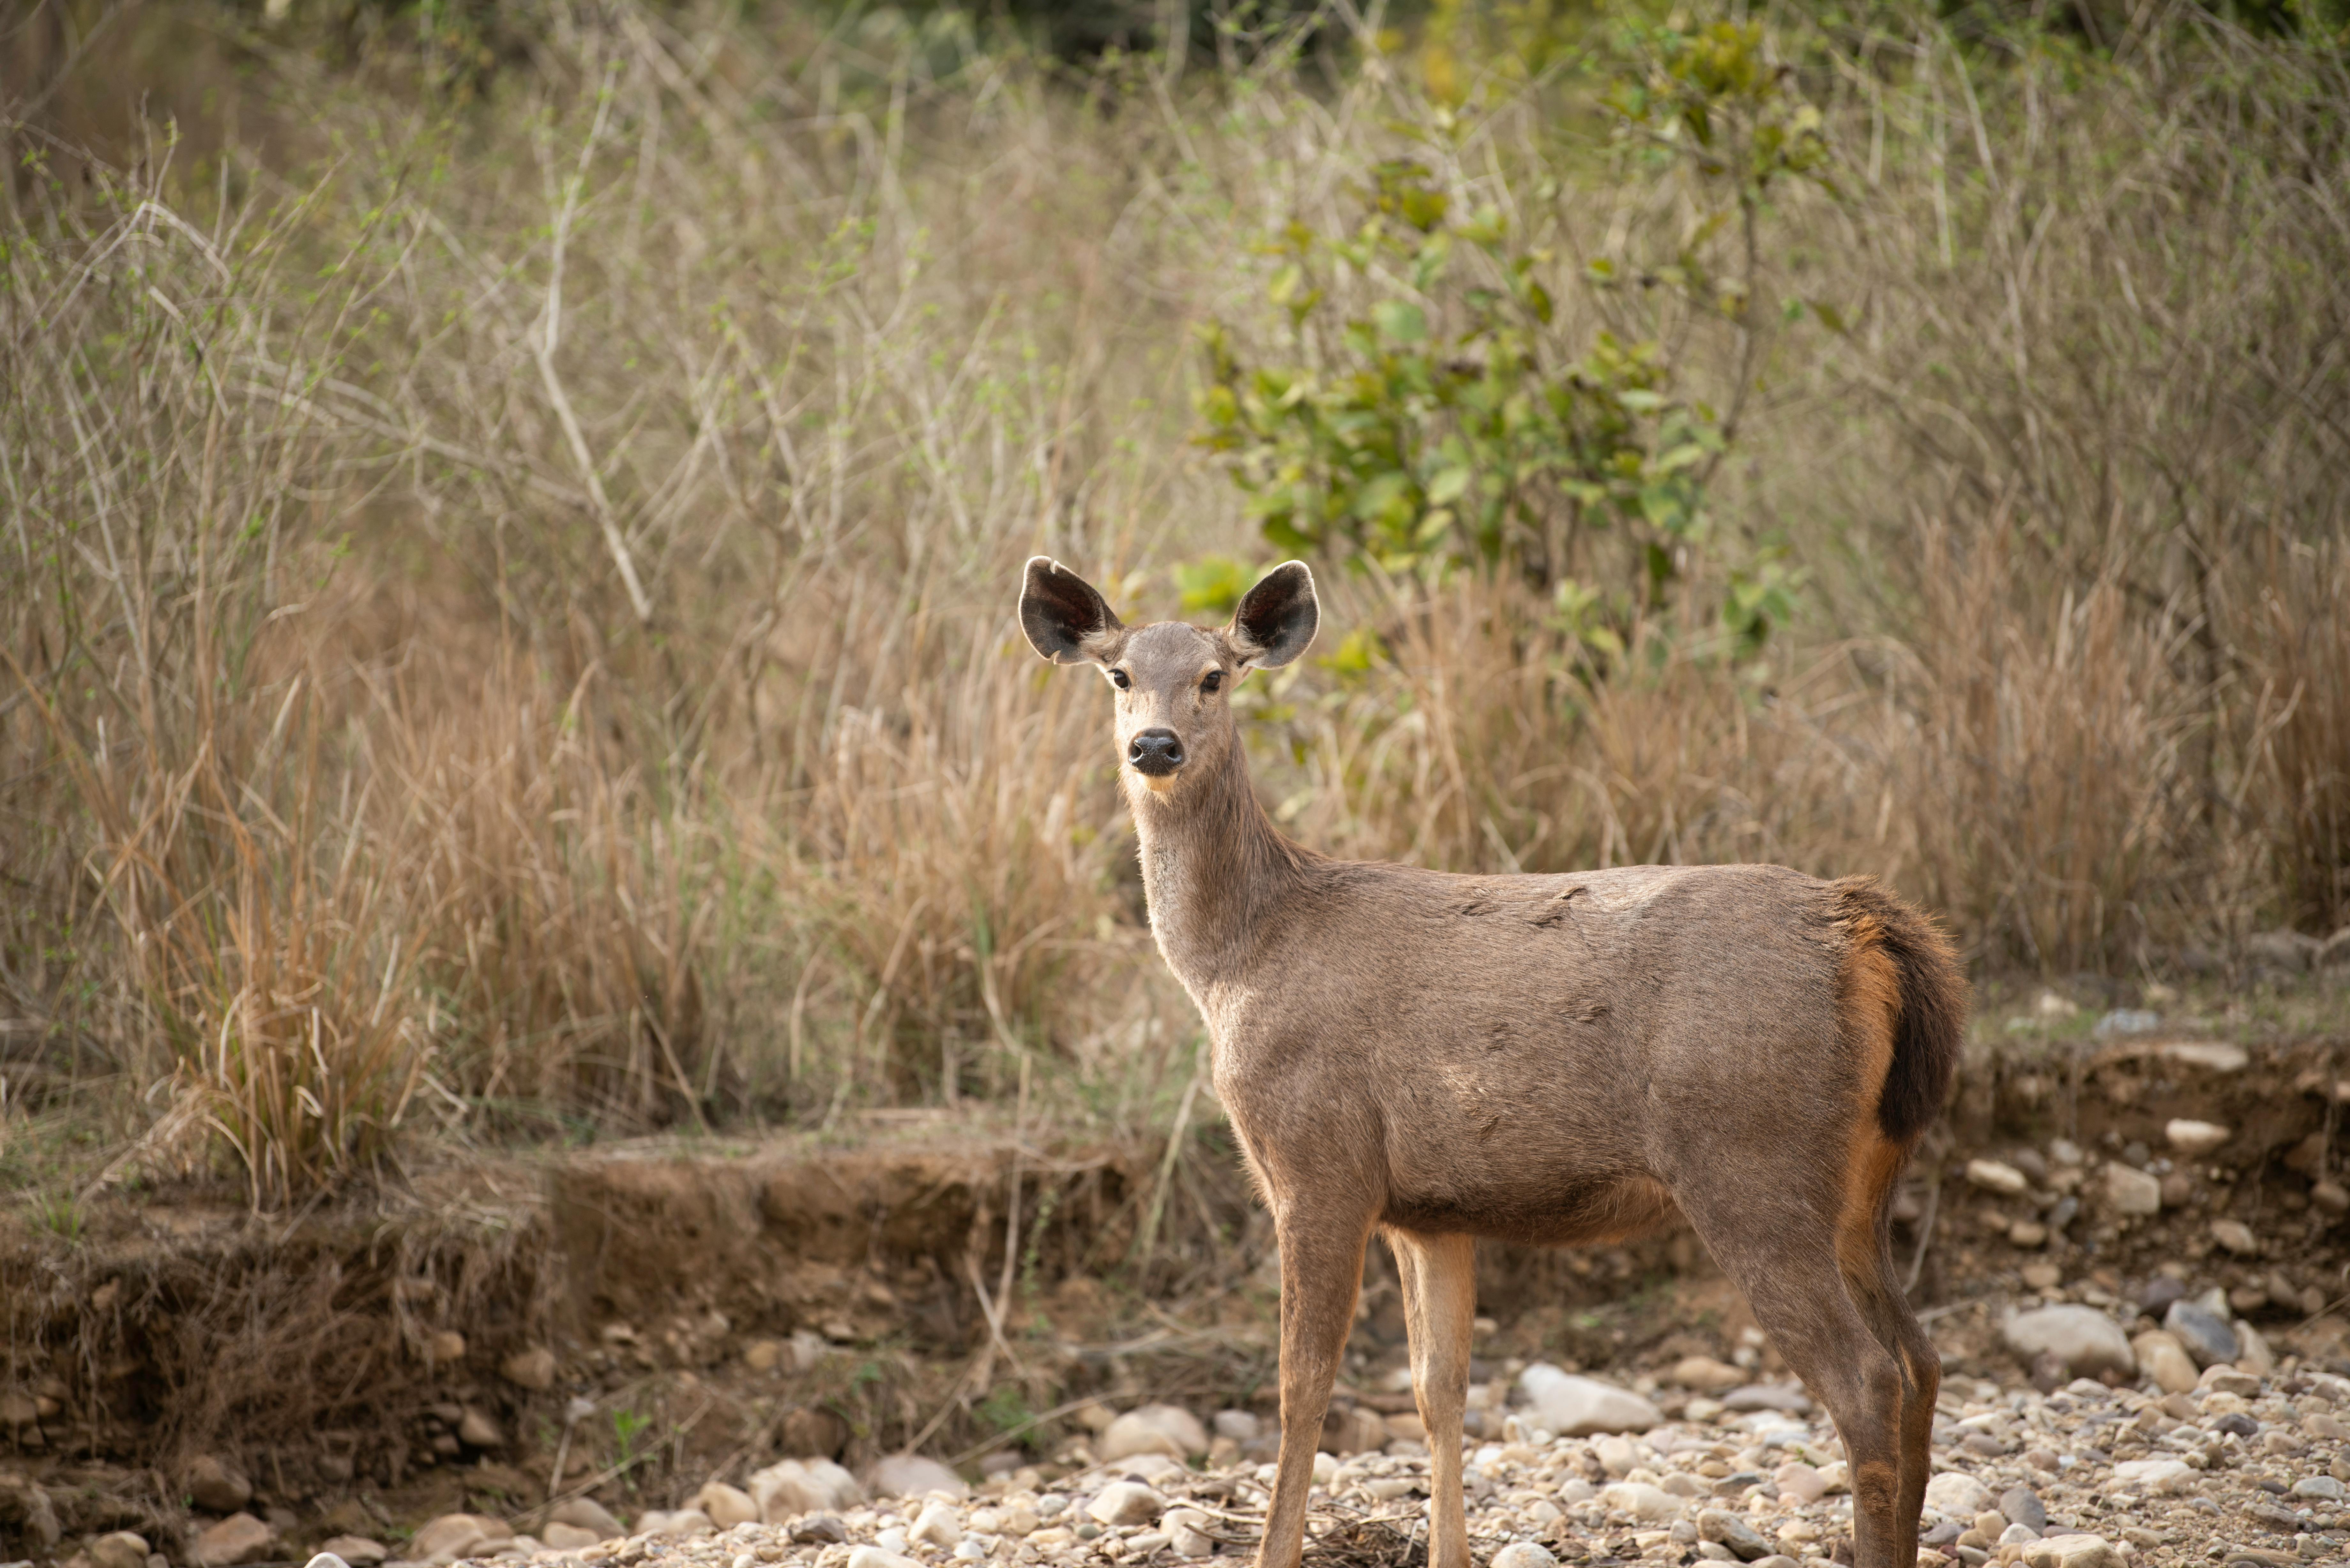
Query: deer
(1551, 1059)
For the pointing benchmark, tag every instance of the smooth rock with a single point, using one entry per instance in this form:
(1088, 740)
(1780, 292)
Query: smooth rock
(874, 1557)
(456, 1535)
(2017, 1535)
(586, 1513)
(2073, 1552)
(2204, 1333)
(365, 1552)
(2022, 1505)
(2210, 1055)
(476, 1430)
(1573, 1407)
(448, 1344)
(2252, 1352)
(803, 1486)
(1523, 1554)
(2195, 1139)
(2084, 1339)
(936, 1525)
(1787, 1396)
(1187, 1532)
(2226, 1379)
(911, 1475)
(239, 1538)
(123, 1548)
(2129, 1191)
(2325, 1488)
(1239, 1426)
(217, 1486)
(2161, 1357)
(2236, 1236)
(1798, 1479)
(1996, 1176)
(1705, 1374)
(565, 1537)
(727, 1506)
(329, 1560)
(1724, 1528)
(1958, 1494)
(1126, 1502)
(819, 1530)
(1182, 1427)
(1647, 1504)
(2156, 1475)
(673, 1521)
(532, 1368)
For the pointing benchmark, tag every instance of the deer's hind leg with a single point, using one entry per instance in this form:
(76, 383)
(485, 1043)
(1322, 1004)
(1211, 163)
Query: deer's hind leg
(1876, 1289)
(1322, 1245)
(1785, 1260)
(1439, 1309)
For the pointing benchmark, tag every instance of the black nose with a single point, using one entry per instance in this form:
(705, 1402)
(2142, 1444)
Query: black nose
(1155, 751)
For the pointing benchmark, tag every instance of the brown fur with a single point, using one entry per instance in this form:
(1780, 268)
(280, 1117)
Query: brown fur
(1562, 1059)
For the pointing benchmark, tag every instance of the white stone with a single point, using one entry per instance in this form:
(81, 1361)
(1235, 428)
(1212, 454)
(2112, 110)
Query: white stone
(2156, 1475)
(1705, 1374)
(874, 1557)
(2194, 1139)
(2130, 1191)
(362, 1552)
(1996, 1176)
(565, 1537)
(911, 1475)
(802, 1486)
(1187, 1532)
(1154, 1428)
(2324, 1487)
(2211, 1055)
(1573, 1407)
(673, 1521)
(1241, 1426)
(727, 1506)
(2073, 1552)
(2236, 1236)
(456, 1535)
(1523, 1554)
(936, 1525)
(1959, 1495)
(1126, 1502)
(2161, 1357)
(2084, 1339)
(1648, 1504)
(123, 1548)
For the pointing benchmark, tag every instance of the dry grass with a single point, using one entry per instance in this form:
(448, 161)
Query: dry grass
(509, 600)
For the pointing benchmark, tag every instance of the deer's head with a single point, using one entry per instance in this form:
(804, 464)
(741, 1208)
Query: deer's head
(1174, 683)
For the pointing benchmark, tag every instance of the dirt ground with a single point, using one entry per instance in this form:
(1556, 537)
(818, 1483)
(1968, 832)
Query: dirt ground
(629, 1320)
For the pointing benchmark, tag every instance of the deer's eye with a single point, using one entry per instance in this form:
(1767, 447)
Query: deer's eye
(1212, 682)
(1118, 679)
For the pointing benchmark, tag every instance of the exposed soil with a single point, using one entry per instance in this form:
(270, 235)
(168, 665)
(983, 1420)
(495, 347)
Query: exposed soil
(702, 1308)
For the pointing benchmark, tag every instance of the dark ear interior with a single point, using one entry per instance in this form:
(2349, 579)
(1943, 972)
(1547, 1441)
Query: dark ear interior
(1061, 612)
(1276, 619)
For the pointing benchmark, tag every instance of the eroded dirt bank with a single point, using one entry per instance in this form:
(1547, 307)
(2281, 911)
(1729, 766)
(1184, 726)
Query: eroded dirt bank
(627, 1322)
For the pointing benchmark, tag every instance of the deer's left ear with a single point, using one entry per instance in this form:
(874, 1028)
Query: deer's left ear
(1065, 618)
(1276, 619)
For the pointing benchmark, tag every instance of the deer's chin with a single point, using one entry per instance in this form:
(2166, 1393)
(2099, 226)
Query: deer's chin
(1160, 783)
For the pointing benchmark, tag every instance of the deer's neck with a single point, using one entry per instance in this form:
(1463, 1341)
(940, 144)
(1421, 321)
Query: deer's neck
(1212, 866)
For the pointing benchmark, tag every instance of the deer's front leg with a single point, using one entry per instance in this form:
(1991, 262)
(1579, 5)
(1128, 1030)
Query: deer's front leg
(1321, 1274)
(1440, 1307)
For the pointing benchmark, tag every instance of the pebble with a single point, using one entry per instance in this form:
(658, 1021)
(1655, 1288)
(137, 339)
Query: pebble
(1126, 1502)
(123, 1548)
(1996, 1176)
(2143, 1475)
(2084, 1339)
(216, 1486)
(2194, 1139)
(1523, 1554)
(239, 1538)
(2130, 1191)
(1577, 1406)
(2204, 1333)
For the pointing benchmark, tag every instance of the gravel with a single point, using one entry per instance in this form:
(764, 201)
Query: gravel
(2084, 1477)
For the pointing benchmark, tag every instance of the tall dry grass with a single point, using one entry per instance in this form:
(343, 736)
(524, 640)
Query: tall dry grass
(509, 600)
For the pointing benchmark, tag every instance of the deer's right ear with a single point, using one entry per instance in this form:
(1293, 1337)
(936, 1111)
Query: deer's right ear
(1065, 619)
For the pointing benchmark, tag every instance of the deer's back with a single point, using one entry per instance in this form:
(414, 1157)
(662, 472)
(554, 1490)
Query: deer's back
(1540, 1057)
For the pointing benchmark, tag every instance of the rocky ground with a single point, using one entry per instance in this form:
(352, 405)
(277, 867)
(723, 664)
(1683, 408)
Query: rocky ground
(2236, 1468)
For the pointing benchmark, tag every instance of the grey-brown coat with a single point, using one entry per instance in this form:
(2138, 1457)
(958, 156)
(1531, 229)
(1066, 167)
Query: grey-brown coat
(1561, 1059)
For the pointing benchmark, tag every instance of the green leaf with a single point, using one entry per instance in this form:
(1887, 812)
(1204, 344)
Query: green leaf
(1448, 486)
(1400, 321)
(1212, 585)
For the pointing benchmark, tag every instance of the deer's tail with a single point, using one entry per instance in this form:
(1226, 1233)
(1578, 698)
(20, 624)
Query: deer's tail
(1899, 960)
